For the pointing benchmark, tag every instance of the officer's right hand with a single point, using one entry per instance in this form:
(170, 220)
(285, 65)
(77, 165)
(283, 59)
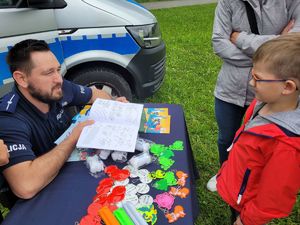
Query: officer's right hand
(74, 136)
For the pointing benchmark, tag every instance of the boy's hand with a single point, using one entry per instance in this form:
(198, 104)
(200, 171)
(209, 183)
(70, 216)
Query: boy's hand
(288, 27)
(238, 221)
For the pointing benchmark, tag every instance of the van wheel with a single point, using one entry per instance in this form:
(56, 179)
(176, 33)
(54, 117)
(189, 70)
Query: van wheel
(104, 78)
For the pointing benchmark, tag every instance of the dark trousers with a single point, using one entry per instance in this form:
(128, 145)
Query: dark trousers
(234, 215)
(229, 118)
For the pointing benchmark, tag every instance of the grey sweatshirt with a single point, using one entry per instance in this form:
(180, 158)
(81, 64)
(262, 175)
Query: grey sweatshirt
(272, 16)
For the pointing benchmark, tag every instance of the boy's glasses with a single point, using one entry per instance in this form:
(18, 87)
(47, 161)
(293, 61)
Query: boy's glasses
(256, 79)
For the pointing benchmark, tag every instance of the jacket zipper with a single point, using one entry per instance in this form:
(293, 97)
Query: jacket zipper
(243, 186)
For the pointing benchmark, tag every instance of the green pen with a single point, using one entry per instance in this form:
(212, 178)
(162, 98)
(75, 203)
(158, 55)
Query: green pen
(122, 217)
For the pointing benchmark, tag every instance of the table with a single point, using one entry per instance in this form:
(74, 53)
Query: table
(65, 200)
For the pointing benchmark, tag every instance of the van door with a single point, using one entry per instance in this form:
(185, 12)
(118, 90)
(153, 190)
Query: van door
(18, 24)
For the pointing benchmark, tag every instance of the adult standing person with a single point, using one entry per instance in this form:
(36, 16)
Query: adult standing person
(235, 43)
(33, 116)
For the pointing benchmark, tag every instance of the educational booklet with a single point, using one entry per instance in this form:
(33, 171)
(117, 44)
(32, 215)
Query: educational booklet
(155, 120)
(116, 126)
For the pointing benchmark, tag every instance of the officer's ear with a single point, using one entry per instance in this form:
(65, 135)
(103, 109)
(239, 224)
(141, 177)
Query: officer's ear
(21, 78)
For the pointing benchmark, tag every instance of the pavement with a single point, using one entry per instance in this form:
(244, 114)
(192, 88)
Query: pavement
(176, 3)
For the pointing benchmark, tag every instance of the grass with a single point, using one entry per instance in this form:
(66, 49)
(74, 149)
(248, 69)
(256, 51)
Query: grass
(191, 74)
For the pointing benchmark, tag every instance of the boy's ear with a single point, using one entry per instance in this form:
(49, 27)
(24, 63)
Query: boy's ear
(290, 87)
(21, 78)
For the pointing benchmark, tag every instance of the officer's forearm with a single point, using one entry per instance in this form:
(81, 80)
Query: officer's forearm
(26, 179)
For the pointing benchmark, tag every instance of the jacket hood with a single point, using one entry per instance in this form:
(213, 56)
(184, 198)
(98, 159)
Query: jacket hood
(289, 120)
(284, 126)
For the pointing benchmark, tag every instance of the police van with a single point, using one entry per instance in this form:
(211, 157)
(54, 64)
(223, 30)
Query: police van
(115, 45)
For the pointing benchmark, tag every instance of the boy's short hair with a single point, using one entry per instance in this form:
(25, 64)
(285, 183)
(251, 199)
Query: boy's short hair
(281, 56)
(18, 57)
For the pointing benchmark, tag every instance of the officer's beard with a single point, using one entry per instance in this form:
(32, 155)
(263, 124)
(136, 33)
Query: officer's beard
(45, 97)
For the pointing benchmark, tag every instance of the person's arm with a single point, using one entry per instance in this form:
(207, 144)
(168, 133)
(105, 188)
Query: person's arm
(97, 93)
(222, 45)
(4, 156)
(249, 43)
(277, 188)
(27, 178)
(76, 95)
(294, 14)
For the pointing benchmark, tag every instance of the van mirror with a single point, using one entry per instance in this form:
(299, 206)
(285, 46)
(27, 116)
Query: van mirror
(48, 4)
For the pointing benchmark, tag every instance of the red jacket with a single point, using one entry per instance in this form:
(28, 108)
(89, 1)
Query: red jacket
(261, 177)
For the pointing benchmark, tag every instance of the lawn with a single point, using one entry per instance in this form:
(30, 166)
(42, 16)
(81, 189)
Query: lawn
(191, 74)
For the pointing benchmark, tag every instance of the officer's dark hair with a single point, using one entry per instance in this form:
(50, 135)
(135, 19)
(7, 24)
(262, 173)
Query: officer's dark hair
(18, 57)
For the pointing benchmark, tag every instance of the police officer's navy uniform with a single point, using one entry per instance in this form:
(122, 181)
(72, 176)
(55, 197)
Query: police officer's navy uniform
(29, 133)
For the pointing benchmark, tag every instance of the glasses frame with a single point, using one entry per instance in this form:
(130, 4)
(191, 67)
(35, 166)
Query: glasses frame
(256, 79)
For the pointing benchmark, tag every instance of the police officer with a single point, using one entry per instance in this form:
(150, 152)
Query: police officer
(32, 117)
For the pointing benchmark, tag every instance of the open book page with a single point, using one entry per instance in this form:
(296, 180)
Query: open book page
(116, 112)
(116, 126)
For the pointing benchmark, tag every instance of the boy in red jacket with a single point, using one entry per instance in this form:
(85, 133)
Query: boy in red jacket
(261, 177)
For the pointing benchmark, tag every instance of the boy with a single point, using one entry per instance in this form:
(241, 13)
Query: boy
(261, 177)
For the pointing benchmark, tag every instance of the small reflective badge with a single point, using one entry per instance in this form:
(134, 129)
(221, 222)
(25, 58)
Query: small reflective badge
(131, 189)
(143, 188)
(132, 198)
(145, 200)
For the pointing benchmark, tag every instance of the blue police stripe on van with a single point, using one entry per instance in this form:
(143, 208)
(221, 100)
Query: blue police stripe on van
(57, 50)
(65, 48)
(4, 70)
(121, 45)
(136, 3)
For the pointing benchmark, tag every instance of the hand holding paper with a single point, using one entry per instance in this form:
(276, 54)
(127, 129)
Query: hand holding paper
(116, 126)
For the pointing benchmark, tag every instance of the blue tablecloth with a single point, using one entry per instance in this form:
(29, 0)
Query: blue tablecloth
(65, 200)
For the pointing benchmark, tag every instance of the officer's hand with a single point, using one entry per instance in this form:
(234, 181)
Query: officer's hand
(74, 136)
(122, 99)
(4, 155)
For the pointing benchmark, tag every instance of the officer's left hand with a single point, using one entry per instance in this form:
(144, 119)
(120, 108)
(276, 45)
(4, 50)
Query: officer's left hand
(122, 99)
